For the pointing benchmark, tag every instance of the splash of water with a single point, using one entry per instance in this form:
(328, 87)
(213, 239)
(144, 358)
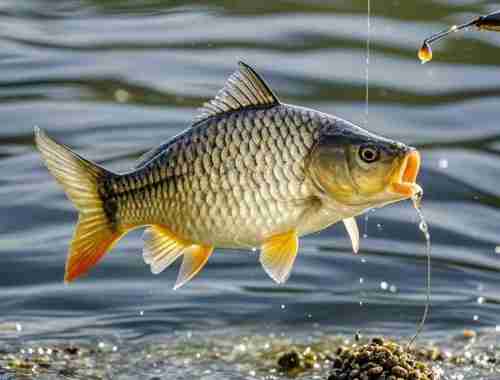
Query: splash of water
(423, 226)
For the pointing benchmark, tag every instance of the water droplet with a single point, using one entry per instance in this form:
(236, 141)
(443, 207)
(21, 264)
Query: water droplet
(361, 280)
(283, 307)
(475, 317)
(101, 345)
(252, 373)
(19, 327)
(363, 260)
(254, 249)
(379, 226)
(121, 95)
(393, 289)
(241, 347)
(40, 351)
(497, 328)
(360, 303)
(141, 313)
(480, 300)
(384, 285)
(497, 249)
(443, 163)
(189, 334)
(115, 348)
(423, 226)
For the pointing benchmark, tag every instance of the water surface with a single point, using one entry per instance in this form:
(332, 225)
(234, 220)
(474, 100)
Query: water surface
(115, 78)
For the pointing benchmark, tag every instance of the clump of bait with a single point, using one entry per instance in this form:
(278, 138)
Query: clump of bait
(379, 359)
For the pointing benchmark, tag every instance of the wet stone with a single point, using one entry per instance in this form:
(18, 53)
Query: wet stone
(289, 361)
(375, 371)
(399, 372)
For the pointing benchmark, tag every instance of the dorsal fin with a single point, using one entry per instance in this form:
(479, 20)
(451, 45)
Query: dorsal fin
(244, 88)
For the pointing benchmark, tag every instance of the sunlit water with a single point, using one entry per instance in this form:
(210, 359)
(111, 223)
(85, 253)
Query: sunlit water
(114, 78)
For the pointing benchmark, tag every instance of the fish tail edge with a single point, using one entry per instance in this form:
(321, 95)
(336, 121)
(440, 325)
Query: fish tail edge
(95, 234)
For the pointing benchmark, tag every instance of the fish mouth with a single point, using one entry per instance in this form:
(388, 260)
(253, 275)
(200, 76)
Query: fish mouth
(403, 180)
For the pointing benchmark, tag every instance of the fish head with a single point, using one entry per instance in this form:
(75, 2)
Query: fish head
(356, 168)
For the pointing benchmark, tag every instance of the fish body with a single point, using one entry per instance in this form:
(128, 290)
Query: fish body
(251, 172)
(231, 181)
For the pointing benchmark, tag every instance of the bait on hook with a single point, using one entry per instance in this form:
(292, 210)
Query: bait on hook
(489, 22)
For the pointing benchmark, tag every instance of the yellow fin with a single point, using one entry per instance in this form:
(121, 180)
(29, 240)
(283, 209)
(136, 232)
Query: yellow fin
(161, 248)
(278, 254)
(244, 89)
(352, 229)
(195, 258)
(95, 234)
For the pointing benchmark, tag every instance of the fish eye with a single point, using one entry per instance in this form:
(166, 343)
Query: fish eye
(369, 153)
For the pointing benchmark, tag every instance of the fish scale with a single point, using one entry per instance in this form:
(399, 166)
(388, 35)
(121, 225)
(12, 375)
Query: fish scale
(236, 178)
(250, 172)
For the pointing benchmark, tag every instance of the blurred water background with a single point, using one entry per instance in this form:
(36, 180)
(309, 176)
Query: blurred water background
(113, 78)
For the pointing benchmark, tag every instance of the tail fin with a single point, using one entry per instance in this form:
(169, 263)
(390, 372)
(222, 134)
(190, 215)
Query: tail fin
(94, 234)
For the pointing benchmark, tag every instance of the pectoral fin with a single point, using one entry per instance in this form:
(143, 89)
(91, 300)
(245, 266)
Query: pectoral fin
(195, 258)
(278, 255)
(352, 230)
(161, 248)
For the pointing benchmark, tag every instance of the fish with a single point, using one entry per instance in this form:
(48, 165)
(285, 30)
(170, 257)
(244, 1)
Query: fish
(250, 172)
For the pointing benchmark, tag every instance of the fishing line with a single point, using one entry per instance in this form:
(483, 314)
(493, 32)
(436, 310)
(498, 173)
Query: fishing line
(367, 101)
(423, 226)
(367, 66)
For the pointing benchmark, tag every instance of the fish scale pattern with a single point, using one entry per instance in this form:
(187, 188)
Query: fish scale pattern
(231, 180)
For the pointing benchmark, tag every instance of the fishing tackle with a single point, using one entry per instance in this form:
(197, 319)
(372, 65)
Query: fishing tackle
(490, 22)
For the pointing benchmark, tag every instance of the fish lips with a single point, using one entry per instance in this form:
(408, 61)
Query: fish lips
(403, 180)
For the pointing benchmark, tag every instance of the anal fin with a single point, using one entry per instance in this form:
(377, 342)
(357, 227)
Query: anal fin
(195, 258)
(161, 248)
(278, 254)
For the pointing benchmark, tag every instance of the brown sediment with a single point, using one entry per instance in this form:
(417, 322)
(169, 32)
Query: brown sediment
(262, 356)
(380, 359)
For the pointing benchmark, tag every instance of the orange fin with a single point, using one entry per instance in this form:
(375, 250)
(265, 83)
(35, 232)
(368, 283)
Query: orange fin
(94, 234)
(91, 240)
(195, 258)
(278, 254)
(161, 248)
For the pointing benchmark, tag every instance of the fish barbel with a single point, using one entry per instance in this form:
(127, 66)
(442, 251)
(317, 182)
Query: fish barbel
(250, 172)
